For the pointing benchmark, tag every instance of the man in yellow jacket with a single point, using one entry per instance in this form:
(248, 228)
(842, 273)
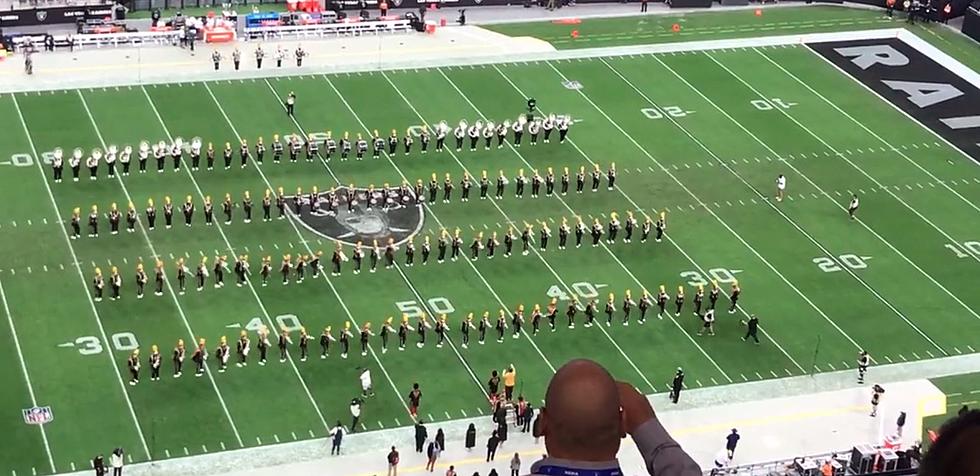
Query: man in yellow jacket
(510, 379)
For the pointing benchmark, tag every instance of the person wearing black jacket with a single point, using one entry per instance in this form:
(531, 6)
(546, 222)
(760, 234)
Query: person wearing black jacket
(98, 464)
(492, 443)
(752, 329)
(441, 439)
(420, 435)
(528, 417)
(470, 437)
(677, 385)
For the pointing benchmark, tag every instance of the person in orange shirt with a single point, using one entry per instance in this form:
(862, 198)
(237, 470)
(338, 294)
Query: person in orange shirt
(827, 469)
(510, 379)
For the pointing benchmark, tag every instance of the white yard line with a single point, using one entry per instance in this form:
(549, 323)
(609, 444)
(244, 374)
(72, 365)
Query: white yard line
(422, 301)
(669, 238)
(81, 276)
(780, 212)
(27, 375)
(869, 177)
(866, 129)
(333, 289)
(737, 236)
(248, 282)
(173, 295)
(436, 217)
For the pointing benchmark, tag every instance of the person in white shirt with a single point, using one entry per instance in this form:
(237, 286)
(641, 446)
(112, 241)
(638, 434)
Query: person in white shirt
(780, 187)
(853, 206)
(116, 460)
(355, 413)
(367, 388)
(336, 437)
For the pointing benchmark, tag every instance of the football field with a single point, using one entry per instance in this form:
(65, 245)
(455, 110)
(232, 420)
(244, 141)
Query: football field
(700, 136)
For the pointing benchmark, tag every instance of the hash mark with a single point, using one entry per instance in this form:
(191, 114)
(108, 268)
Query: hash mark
(889, 359)
(186, 453)
(276, 437)
(293, 434)
(259, 441)
(167, 453)
(222, 444)
(205, 448)
(832, 367)
(312, 435)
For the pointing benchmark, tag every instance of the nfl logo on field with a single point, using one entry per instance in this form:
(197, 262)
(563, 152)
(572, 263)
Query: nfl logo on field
(38, 415)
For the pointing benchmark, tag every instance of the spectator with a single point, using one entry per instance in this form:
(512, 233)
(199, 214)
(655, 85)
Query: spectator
(432, 451)
(393, 462)
(492, 443)
(528, 415)
(383, 6)
(582, 433)
(98, 464)
(502, 432)
(451, 471)
(441, 439)
(470, 437)
(731, 441)
(643, 6)
(521, 408)
(493, 472)
(515, 465)
(420, 435)
(338, 436)
(955, 453)
(889, 7)
(117, 461)
(827, 469)
(900, 423)
(963, 410)
(536, 427)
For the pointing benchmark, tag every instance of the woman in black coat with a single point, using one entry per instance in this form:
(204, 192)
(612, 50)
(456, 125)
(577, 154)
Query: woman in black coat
(470, 437)
(441, 439)
(502, 432)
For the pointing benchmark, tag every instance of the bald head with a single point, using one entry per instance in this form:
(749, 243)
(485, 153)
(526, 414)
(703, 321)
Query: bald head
(582, 418)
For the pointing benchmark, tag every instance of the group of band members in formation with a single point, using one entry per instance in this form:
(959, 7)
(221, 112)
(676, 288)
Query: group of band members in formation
(514, 323)
(384, 197)
(447, 247)
(295, 145)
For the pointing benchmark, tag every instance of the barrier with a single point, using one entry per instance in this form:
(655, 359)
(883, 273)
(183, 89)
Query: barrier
(99, 40)
(329, 29)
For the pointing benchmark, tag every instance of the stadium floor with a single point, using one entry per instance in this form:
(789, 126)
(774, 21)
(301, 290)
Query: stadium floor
(701, 136)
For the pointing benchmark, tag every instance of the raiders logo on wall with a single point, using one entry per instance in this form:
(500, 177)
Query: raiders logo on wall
(42, 15)
(398, 219)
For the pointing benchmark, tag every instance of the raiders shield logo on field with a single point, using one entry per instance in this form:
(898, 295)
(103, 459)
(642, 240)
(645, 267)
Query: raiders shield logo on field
(42, 15)
(390, 215)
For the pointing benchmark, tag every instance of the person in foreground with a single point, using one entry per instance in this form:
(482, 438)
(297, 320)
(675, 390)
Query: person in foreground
(586, 415)
(955, 452)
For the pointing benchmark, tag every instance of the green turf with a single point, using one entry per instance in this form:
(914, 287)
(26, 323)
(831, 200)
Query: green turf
(650, 29)
(599, 32)
(710, 164)
(960, 390)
